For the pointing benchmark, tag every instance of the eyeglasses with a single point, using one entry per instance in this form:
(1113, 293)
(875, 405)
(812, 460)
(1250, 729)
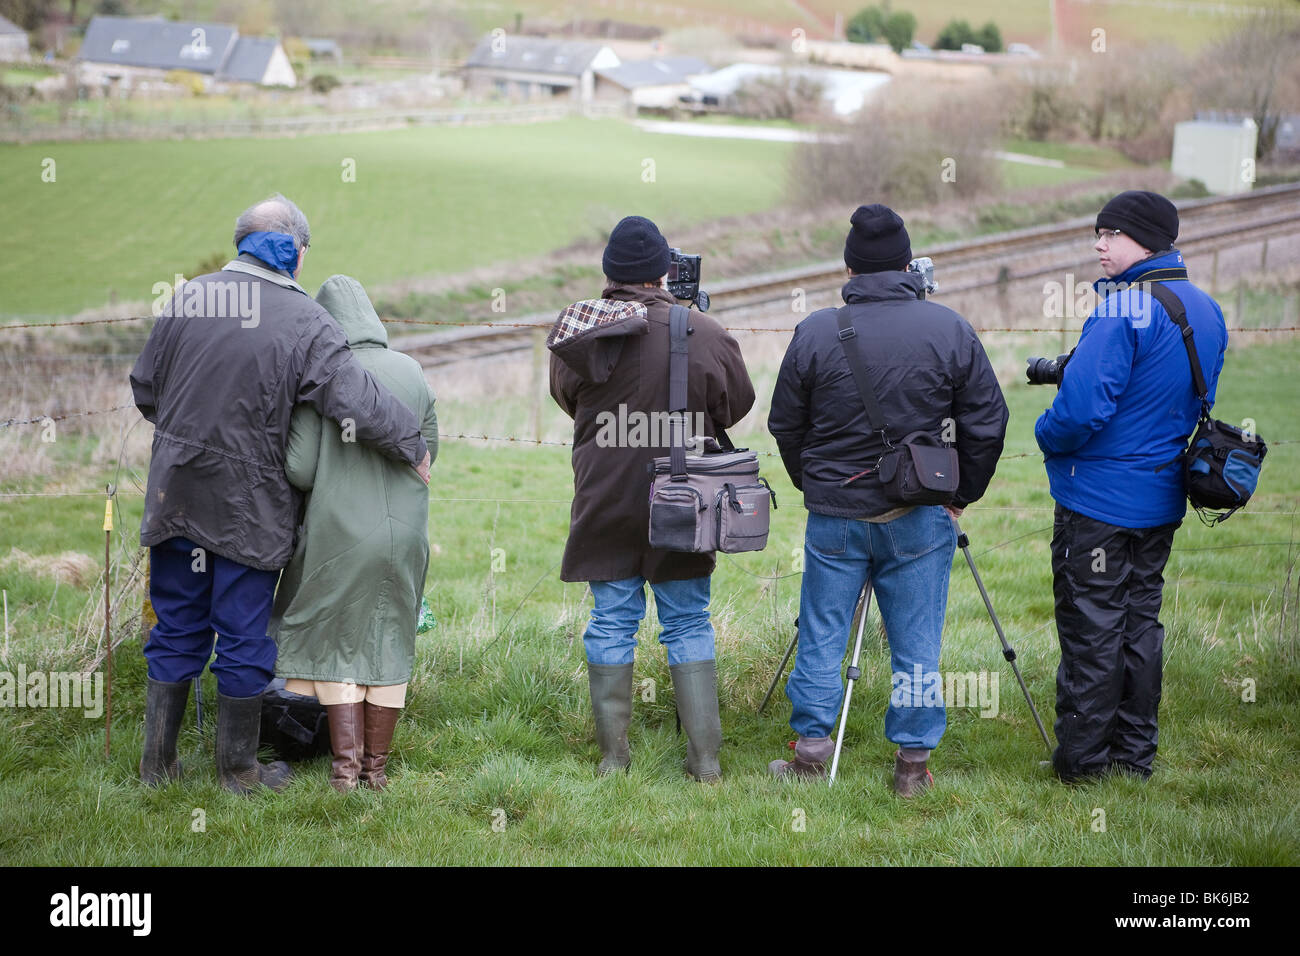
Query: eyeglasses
(1108, 234)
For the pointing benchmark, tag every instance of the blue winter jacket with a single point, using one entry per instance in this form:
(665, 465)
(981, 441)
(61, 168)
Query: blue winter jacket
(1126, 405)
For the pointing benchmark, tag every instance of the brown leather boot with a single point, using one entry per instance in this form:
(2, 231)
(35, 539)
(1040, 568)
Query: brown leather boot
(347, 742)
(810, 756)
(911, 776)
(380, 724)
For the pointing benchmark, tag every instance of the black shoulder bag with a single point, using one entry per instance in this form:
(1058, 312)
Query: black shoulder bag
(1221, 464)
(923, 470)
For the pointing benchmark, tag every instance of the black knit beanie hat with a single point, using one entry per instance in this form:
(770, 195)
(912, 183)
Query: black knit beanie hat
(636, 251)
(878, 240)
(1149, 219)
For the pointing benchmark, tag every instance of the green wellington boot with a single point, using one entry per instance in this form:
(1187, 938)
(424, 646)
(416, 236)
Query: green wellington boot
(696, 687)
(611, 703)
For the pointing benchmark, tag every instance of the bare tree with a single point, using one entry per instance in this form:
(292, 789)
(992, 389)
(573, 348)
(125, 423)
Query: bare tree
(1255, 70)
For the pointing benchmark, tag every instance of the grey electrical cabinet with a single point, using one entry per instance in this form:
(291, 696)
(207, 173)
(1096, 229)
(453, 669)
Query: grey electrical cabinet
(1221, 155)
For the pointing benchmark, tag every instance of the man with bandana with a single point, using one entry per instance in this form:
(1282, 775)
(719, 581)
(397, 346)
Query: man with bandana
(223, 367)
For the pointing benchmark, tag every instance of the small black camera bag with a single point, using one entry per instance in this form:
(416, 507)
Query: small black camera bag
(1222, 463)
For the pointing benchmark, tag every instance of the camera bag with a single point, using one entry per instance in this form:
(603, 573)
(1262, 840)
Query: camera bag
(294, 726)
(920, 471)
(1222, 463)
(712, 502)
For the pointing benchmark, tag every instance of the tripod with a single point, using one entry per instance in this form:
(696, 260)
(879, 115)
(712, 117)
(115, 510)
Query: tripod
(853, 673)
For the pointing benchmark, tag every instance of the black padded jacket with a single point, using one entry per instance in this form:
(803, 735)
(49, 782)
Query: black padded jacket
(929, 372)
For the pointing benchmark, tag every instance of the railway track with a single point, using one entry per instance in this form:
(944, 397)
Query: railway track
(970, 267)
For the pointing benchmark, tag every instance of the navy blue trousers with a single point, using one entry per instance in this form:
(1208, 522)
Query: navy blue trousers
(194, 594)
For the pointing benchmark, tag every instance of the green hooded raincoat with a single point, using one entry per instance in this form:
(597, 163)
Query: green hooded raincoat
(348, 601)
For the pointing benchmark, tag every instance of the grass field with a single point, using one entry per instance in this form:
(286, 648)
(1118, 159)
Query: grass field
(122, 216)
(499, 718)
(425, 202)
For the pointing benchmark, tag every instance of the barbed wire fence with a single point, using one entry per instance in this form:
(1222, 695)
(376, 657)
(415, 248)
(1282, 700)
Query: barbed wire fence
(132, 561)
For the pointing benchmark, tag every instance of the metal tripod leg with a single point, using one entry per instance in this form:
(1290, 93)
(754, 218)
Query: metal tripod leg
(1008, 651)
(853, 674)
(780, 670)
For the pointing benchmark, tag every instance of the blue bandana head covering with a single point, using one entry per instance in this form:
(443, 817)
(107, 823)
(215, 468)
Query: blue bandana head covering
(274, 248)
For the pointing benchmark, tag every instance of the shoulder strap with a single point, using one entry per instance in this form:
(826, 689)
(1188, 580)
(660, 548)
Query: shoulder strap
(849, 342)
(1178, 312)
(679, 318)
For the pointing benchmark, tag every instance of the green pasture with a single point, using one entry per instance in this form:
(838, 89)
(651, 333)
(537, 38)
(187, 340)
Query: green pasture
(498, 727)
(122, 216)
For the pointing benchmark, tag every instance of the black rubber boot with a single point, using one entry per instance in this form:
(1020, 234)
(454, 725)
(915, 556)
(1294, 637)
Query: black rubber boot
(163, 710)
(611, 703)
(695, 686)
(239, 723)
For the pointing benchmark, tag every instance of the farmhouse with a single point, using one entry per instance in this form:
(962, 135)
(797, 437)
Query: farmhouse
(523, 67)
(658, 82)
(129, 49)
(13, 41)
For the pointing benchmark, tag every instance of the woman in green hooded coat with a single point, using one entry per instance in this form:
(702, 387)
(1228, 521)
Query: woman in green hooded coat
(347, 605)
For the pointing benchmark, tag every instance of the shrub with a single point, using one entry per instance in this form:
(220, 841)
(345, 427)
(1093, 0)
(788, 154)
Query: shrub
(778, 97)
(324, 82)
(953, 35)
(899, 30)
(865, 26)
(188, 80)
(989, 37)
(897, 150)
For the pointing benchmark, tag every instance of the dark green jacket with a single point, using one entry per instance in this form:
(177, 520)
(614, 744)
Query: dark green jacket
(348, 601)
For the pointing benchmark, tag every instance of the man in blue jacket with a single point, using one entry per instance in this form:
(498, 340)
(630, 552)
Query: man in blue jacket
(1112, 441)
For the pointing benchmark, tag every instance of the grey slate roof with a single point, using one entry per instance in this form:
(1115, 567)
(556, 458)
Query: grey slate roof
(8, 26)
(248, 60)
(157, 43)
(655, 71)
(534, 55)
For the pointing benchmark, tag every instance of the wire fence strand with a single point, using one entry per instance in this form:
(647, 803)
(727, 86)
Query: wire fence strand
(452, 323)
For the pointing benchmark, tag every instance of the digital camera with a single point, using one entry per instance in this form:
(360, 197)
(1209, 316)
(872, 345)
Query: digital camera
(1045, 371)
(684, 279)
(924, 267)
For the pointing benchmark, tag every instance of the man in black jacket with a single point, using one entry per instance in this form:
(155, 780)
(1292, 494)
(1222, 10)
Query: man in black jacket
(228, 358)
(929, 373)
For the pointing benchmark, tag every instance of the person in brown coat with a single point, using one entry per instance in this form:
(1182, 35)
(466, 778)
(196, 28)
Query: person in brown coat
(609, 372)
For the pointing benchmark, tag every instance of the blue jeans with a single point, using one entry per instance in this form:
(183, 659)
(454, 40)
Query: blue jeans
(683, 608)
(908, 561)
(225, 596)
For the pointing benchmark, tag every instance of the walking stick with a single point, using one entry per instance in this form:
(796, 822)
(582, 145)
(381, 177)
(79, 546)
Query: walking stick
(780, 670)
(853, 674)
(1008, 651)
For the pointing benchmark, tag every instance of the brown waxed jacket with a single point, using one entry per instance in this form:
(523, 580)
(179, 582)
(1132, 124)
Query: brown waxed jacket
(610, 377)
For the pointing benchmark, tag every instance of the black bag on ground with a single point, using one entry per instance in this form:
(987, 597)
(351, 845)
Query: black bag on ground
(713, 502)
(920, 471)
(294, 726)
(1222, 463)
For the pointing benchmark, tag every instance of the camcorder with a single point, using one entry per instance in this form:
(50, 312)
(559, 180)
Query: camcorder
(1045, 371)
(684, 279)
(924, 267)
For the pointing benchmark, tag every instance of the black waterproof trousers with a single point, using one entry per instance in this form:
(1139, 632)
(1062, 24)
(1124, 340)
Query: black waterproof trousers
(1107, 582)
